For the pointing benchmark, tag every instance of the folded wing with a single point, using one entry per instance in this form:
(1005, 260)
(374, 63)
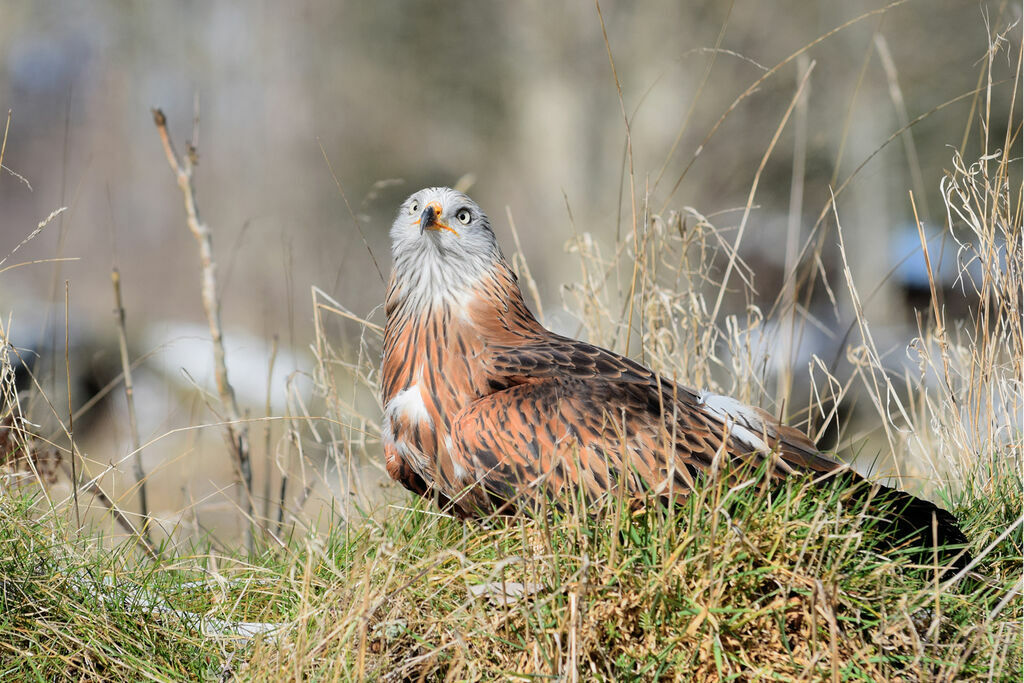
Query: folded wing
(606, 425)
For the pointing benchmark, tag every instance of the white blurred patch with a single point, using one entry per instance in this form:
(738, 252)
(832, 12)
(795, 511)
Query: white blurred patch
(187, 348)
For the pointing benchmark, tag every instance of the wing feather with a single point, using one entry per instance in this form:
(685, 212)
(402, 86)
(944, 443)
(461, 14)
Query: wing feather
(538, 439)
(556, 357)
(577, 415)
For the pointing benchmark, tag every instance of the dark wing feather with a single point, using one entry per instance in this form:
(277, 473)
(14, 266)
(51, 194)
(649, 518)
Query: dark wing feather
(593, 433)
(556, 357)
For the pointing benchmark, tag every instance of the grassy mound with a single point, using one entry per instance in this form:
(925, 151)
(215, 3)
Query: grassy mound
(739, 583)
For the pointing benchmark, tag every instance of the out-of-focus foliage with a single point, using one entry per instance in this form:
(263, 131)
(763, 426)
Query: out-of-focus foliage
(519, 94)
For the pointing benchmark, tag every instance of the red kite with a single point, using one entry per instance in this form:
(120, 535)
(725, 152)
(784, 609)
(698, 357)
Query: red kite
(488, 410)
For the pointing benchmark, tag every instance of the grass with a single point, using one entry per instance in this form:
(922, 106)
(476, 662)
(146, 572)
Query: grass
(741, 582)
(738, 583)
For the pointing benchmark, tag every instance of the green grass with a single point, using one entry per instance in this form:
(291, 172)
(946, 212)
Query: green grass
(735, 584)
(68, 611)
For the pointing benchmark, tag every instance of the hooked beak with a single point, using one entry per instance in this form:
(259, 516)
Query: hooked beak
(429, 219)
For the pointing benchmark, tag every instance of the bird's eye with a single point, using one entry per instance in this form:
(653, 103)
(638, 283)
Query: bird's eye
(464, 216)
(414, 208)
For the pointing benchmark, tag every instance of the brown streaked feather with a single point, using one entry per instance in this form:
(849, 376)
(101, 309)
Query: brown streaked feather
(556, 436)
(558, 357)
(588, 432)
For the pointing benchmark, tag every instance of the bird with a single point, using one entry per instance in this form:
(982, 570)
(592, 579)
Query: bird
(487, 411)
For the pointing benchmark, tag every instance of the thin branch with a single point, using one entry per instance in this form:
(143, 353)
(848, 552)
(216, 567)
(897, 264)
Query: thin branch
(71, 424)
(237, 430)
(129, 397)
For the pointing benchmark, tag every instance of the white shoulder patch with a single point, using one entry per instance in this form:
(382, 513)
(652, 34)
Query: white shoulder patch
(743, 422)
(408, 403)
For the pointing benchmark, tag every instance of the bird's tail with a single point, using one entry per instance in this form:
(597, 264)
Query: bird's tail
(905, 520)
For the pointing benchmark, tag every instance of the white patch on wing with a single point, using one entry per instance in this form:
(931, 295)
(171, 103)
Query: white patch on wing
(744, 423)
(409, 404)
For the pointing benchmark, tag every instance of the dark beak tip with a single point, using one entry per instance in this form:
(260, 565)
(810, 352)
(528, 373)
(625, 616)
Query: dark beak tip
(427, 218)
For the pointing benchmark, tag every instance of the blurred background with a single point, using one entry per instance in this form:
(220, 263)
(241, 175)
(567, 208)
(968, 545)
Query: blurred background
(517, 98)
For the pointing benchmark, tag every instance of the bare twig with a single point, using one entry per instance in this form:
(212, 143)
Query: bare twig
(129, 397)
(71, 427)
(266, 432)
(237, 430)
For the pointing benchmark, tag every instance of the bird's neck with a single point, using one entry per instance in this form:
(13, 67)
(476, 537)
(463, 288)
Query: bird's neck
(497, 308)
(483, 293)
(452, 330)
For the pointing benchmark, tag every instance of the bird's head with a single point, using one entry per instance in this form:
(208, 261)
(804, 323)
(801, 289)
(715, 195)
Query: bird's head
(443, 250)
(442, 222)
